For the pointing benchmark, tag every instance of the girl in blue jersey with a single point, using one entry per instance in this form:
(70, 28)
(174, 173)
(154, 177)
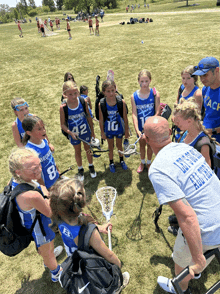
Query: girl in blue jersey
(84, 93)
(25, 167)
(189, 88)
(145, 103)
(114, 125)
(79, 124)
(35, 138)
(187, 118)
(67, 200)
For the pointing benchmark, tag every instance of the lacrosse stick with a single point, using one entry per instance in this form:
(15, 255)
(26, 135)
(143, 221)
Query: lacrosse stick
(106, 197)
(95, 153)
(65, 171)
(131, 149)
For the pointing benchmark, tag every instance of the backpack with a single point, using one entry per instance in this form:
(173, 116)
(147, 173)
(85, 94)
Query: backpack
(13, 236)
(214, 152)
(65, 109)
(104, 107)
(85, 271)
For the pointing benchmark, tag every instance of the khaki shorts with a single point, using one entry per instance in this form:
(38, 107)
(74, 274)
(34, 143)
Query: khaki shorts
(181, 252)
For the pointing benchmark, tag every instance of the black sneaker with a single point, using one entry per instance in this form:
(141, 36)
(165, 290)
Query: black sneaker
(173, 230)
(92, 171)
(173, 220)
(81, 174)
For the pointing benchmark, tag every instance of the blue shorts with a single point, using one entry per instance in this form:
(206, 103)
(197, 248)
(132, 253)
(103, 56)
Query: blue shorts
(87, 137)
(39, 238)
(111, 136)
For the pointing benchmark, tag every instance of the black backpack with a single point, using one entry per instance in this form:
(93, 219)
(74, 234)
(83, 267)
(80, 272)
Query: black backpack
(13, 236)
(103, 106)
(65, 109)
(85, 271)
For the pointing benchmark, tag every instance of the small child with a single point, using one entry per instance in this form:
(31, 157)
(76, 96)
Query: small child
(45, 22)
(114, 125)
(42, 28)
(35, 138)
(84, 93)
(90, 25)
(96, 25)
(79, 124)
(51, 25)
(19, 27)
(68, 28)
(145, 103)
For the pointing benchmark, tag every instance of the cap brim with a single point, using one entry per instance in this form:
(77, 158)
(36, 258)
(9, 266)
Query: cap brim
(200, 72)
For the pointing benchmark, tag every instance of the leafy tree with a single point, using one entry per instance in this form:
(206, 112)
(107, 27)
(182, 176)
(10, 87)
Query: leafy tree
(59, 4)
(32, 4)
(45, 9)
(23, 4)
(69, 4)
(32, 12)
(15, 11)
(50, 4)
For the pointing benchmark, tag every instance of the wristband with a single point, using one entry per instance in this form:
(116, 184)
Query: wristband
(214, 132)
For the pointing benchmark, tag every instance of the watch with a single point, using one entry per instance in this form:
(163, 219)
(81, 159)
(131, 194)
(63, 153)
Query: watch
(214, 132)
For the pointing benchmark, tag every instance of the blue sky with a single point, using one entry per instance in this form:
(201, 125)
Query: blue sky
(12, 3)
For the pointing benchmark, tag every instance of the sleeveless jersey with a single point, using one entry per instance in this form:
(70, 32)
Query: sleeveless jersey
(190, 94)
(114, 124)
(19, 126)
(68, 234)
(212, 109)
(145, 108)
(27, 219)
(90, 111)
(77, 123)
(49, 171)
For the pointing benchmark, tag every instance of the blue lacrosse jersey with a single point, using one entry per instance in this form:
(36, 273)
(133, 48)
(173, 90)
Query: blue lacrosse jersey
(90, 111)
(68, 234)
(145, 108)
(49, 171)
(190, 94)
(114, 124)
(77, 123)
(19, 126)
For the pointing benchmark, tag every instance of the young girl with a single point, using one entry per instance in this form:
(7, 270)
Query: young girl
(78, 124)
(188, 119)
(35, 138)
(68, 28)
(20, 30)
(25, 167)
(67, 200)
(90, 25)
(84, 93)
(67, 77)
(145, 103)
(114, 125)
(96, 25)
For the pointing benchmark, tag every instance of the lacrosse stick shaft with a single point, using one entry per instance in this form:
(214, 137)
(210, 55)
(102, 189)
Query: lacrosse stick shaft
(109, 239)
(65, 171)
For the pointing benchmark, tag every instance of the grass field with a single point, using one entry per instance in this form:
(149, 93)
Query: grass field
(33, 68)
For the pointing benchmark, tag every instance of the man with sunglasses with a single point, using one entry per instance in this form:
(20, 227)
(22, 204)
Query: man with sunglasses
(208, 70)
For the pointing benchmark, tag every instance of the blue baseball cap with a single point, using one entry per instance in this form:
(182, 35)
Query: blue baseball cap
(205, 65)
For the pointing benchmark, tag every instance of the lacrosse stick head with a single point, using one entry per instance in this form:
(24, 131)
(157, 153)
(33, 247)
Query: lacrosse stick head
(106, 197)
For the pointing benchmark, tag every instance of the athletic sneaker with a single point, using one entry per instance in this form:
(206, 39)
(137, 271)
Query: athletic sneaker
(92, 172)
(173, 220)
(173, 230)
(112, 168)
(123, 165)
(58, 250)
(81, 174)
(70, 38)
(55, 278)
(126, 144)
(126, 278)
(166, 284)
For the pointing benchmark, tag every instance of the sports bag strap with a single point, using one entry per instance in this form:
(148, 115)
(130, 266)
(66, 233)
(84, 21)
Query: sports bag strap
(104, 108)
(119, 105)
(65, 109)
(37, 217)
(82, 100)
(85, 234)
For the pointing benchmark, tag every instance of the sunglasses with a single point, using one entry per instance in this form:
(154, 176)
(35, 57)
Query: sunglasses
(17, 107)
(203, 66)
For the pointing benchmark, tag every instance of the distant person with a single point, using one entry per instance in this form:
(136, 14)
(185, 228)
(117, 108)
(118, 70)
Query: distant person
(102, 13)
(68, 28)
(90, 25)
(20, 30)
(96, 25)
(42, 28)
(84, 91)
(208, 70)
(51, 25)
(182, 179)
(38, 26)
(148, 6)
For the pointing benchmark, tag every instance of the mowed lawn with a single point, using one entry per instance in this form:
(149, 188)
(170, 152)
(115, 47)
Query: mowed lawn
(33, 68)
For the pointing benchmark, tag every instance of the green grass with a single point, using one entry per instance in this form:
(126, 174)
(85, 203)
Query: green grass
(33, 68)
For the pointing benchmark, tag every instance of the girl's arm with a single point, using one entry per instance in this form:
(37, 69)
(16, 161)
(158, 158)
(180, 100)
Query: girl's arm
(99, 246)
(63, 123)
(89, 119)
(125, 117)
(16, 135)
(33, 199)
(134, 116)
(101, 123)
(50, 145)
(198, 98)
(89, 101)
(157, 104)
(206, 154)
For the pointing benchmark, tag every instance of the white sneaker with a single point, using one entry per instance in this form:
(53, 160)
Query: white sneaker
(55, 278)
(126, 278)
(166, 284)
(58, 250)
